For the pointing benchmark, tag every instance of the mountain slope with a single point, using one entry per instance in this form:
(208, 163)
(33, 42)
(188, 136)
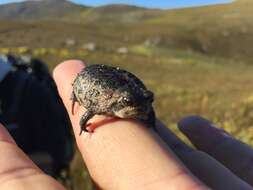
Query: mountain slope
(38, 9)
(217, 30)
(118, 13)
(68, 11)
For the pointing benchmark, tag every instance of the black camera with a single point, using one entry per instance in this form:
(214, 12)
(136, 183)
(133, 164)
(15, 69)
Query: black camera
(33, 113)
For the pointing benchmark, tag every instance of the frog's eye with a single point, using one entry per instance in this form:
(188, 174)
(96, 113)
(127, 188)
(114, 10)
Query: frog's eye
(126, 101)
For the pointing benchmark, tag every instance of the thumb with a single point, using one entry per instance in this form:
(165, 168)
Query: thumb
(17, 171)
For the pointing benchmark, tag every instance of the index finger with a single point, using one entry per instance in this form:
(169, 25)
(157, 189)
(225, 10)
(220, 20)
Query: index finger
(123, 154)
(199, 163)
(232, 153)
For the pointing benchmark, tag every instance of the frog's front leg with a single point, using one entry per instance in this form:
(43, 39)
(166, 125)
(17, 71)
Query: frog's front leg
(74, 100)
(83, 121)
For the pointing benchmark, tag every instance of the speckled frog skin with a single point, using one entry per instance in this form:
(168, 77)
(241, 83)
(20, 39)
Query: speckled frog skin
(106, 90)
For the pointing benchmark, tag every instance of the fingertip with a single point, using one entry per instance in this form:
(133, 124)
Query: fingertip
(203, 133)
(66, 66)
(191, 124)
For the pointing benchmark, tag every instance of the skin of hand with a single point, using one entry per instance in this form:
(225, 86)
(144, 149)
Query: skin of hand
(124, 154)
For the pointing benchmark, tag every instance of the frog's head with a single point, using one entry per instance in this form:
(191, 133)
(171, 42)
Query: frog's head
(134, 105)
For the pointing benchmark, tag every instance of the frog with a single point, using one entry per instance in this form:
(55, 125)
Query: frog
(111, 91)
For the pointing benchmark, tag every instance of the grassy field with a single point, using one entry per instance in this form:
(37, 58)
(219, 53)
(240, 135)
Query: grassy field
(196, 61)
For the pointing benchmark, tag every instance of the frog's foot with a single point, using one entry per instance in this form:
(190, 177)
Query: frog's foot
(74, 100)
(83, 128)
(83, 121)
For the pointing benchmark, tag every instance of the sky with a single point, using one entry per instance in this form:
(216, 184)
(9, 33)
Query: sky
(145, 3)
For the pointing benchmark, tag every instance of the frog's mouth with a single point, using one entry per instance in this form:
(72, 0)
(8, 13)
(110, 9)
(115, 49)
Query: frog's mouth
(132, 112)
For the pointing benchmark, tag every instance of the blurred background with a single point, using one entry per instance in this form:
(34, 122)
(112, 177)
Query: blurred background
(196, 56)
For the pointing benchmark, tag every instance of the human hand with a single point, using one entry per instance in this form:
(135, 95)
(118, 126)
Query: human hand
(126, 155)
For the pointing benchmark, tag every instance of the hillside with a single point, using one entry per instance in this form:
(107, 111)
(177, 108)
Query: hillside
(115, 13)
(38, 9)
(217, 30)
(223, 30)
(68, 11)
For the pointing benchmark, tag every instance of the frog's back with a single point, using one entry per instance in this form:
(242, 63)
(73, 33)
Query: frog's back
(107, 77)
(98, 83)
